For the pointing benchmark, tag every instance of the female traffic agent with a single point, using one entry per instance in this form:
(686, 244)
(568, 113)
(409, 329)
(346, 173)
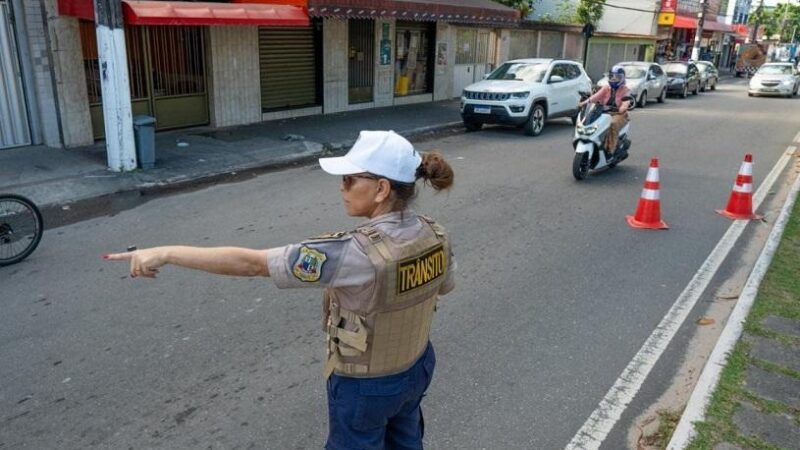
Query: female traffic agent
(381, 284)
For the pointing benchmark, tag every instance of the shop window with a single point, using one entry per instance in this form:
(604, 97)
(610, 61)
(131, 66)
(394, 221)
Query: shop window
(414, 60)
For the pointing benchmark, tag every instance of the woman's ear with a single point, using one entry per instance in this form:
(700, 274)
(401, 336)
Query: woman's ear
(384, 190)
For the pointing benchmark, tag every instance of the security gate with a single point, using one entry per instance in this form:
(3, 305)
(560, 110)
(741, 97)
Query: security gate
(166, 67)
(361, 60)
(14, 129)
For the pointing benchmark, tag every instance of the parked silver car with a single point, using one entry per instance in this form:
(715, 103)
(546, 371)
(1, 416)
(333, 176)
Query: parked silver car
(775, 79)
(646, 80)
(709, 76)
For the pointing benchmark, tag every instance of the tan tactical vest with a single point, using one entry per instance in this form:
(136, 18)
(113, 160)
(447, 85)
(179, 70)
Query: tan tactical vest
(389, 332)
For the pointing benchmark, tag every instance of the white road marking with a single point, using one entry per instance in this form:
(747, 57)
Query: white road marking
(797, 137)
(701, 395)
(600, 423)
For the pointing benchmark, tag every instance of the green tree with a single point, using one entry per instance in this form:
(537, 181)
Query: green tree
(765, 19)
(590, 11)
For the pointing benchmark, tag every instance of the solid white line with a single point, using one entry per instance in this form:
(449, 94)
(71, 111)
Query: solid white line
(605, 416)
(797, 137)
(701, 396)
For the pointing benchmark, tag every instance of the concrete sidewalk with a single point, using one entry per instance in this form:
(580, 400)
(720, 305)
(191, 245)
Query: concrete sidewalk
(55, 178)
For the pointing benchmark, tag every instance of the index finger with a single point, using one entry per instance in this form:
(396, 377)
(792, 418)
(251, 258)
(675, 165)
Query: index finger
(127, 256)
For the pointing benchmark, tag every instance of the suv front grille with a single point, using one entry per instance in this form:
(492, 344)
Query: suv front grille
(491, 96)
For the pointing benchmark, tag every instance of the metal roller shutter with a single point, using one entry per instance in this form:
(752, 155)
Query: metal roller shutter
(288, 64)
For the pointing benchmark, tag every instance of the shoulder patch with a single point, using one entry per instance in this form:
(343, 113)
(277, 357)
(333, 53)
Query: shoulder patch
(308, 266)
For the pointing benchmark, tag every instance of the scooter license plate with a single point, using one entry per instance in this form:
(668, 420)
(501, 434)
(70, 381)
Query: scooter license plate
(483, 110)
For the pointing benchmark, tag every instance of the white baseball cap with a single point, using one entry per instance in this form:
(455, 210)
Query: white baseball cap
(383, 153)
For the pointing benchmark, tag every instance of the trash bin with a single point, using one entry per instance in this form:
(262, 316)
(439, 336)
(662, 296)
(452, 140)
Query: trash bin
(144, 132)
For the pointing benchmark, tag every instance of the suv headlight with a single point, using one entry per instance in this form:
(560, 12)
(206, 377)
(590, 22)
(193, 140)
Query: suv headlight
(520, 94)
(787, 82)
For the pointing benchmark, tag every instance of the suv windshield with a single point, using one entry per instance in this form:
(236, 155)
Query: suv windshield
(675, 70)
(530, 73)
(776, 70)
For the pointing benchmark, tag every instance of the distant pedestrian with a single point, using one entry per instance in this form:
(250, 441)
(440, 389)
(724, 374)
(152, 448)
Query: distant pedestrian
(382, 282)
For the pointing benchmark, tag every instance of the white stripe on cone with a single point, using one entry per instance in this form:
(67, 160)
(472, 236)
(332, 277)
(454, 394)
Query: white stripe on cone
(746, 188)
(747, 169)
(650, 194)
(652, 174)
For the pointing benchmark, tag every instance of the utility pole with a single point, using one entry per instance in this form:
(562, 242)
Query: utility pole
(698, 34)
(588, 32)
(113, 64)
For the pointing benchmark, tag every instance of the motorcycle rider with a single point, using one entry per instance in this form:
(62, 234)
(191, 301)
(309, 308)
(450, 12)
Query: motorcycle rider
(615, 94)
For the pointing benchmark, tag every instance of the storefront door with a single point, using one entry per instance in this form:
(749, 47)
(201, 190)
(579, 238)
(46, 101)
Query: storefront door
(14, 129)
(475, 49)
(414, 66)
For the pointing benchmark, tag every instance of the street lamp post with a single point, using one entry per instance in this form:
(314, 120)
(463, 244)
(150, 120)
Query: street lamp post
(698, 35)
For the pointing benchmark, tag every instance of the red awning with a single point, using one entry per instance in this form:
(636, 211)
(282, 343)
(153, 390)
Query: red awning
(456, 11)
(195, 13)
(185, 13)
(708, 25)
(82, 9)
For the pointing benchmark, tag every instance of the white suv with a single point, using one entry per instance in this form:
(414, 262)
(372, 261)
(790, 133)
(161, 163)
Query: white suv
(525, 92)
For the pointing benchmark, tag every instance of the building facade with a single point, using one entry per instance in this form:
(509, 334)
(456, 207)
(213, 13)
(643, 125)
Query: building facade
(239, 62)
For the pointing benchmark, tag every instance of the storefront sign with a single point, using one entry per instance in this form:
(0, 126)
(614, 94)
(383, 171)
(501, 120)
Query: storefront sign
(668, 5)
(386, 47)
(666, 18)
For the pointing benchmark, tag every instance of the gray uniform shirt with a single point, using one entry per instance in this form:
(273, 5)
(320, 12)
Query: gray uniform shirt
(341, 263)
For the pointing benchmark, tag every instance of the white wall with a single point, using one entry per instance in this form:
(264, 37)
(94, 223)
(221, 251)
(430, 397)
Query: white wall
(616, 20)
(235, 87)
(443, 74)
(67, 68)
(334, 69)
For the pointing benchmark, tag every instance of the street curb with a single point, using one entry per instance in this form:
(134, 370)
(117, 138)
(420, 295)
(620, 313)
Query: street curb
(710, 376)
(73, 210)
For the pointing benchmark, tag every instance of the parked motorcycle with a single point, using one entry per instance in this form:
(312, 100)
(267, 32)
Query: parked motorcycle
(591, 128)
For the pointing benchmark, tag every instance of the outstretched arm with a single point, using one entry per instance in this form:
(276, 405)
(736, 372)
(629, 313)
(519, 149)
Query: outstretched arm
(234, 261)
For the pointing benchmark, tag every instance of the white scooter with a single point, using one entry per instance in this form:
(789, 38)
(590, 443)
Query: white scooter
(591, 127)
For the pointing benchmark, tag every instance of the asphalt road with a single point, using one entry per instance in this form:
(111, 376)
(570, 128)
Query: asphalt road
(554, 296)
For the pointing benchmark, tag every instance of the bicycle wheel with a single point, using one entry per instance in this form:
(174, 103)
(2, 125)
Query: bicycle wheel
(21, 228)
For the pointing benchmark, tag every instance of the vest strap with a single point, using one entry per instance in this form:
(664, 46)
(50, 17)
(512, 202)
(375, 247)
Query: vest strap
(376, 238)
(334, 363)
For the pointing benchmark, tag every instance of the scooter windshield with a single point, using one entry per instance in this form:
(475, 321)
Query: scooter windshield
(592, 112)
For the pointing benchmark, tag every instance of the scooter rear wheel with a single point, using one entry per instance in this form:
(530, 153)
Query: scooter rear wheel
(580, 166)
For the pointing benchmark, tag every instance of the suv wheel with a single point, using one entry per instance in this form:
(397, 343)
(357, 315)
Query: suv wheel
(472, 126)
(642, 100)
(714, 86)
(535, 123)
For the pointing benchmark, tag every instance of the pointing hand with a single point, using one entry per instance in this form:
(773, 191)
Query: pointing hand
(144, 262)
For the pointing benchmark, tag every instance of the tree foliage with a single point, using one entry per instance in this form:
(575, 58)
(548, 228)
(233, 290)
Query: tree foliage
(782, 20)
(590, 11)
(525, 7)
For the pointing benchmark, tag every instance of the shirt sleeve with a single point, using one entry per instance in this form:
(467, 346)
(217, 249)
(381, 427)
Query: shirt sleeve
(320, 264)
(599, 95)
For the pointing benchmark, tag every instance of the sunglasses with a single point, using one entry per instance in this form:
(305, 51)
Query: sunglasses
(348, 180)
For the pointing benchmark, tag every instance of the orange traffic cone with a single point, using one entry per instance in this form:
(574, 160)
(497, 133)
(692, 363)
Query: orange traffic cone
(648, 213)
(740, 204)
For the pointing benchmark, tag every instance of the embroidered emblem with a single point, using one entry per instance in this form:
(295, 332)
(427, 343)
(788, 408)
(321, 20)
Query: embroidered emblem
(419, 271)
(308, 266)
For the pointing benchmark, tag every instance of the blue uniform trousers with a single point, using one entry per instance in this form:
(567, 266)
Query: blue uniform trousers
(381, 413)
